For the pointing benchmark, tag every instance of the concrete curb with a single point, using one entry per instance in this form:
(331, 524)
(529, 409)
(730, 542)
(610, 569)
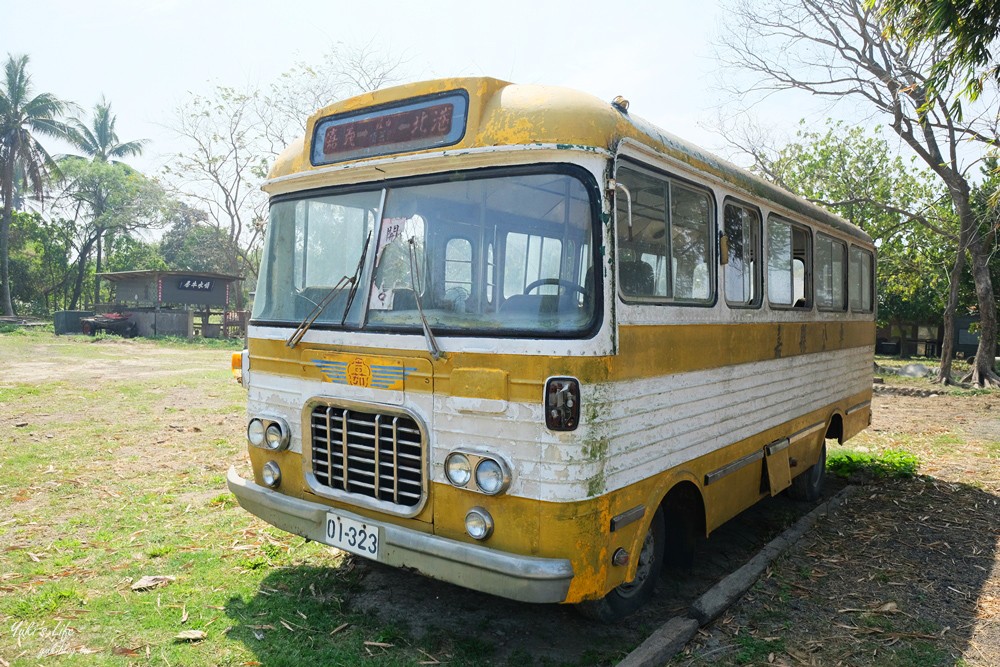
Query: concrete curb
(672, 636)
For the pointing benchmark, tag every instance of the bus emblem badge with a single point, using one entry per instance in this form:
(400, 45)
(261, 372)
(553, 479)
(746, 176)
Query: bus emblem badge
(359, 374)
(372, 373)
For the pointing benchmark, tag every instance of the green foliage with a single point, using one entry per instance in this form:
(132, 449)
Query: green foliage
(892, 463)
(963, 33)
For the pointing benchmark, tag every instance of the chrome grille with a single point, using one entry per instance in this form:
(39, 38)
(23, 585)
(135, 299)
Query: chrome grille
(383, 454)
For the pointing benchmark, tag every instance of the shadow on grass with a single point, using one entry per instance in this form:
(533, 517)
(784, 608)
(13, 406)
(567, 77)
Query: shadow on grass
(895, 578)
(426, 620)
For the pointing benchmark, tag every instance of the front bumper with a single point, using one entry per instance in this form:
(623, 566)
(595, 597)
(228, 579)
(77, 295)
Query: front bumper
(524, 578)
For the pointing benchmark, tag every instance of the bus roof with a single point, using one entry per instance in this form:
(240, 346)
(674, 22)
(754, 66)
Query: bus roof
(505, 114)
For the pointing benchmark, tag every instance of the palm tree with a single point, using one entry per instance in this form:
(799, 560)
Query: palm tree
(22, 118)
(98, 142)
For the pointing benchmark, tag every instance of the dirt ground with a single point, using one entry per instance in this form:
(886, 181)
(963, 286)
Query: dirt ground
(905, 573)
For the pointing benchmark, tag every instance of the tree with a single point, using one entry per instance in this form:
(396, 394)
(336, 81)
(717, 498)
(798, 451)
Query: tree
(233, 135)
(838, 49)
(39, 261)
(99, 142)
(23, 117)
(106, 198)
(190, 244)
(962, 32)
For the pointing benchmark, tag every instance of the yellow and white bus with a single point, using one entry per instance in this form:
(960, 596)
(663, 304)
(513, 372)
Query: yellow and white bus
(515, 338)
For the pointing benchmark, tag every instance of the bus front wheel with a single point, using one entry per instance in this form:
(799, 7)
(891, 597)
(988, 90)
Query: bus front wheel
(627, 598)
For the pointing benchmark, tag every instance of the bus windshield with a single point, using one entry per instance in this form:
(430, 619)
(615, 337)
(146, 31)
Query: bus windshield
(502, 253)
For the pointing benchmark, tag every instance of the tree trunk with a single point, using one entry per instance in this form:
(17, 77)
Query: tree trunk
(8, 212)
(982, 373)
(81, 269)
(97, 271)
(951, 305)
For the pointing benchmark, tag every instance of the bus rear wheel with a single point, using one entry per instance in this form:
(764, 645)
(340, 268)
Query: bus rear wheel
(809, 485)
(627, 598)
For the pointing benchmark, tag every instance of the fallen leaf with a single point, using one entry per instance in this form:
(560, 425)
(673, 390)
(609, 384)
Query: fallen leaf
(184, 615)
(148, 583)
(20, 424)
(378, 644)
(191, 636)
(258, 635)
(339, 628)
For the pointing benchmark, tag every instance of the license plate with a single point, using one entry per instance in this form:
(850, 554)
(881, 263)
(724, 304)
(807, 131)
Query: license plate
(353, 536)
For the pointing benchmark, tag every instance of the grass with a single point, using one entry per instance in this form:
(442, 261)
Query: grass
(119, 473)
(891, 463)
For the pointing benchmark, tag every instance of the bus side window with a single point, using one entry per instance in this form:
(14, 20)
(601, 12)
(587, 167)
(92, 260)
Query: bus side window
(665, 254)
(690, 225)
(742, 270)
(861, 276)
(831, 268)
(788, 268)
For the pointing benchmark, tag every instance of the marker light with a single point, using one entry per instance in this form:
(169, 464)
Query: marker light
(271, 474)
(478, 523)
(562, 404)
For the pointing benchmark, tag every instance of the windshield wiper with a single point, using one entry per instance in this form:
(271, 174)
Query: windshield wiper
(334, 292)
(356, 280)
(432, 343)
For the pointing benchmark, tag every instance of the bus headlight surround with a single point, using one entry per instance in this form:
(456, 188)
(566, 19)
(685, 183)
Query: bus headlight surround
(458, 469)
(271, 433)
(492, 476)
(255, 432)
(478, 523)
(271, 474)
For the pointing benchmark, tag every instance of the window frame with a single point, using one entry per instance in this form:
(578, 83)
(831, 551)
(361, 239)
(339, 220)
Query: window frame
(667, 179)
(808, 288)
(871, 279)
(758, 277)
(844, 274)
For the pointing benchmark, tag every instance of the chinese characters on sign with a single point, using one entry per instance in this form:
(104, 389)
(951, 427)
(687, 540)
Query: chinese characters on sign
(416, 124)
(195, 284)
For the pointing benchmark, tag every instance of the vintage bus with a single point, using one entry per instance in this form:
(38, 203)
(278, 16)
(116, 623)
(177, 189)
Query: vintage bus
(515, 338)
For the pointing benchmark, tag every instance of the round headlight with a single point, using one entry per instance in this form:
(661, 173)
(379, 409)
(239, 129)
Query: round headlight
(478, 523)
(457, 469)
(271, 474)
(275, 436)
(255, 432)
(491, 477)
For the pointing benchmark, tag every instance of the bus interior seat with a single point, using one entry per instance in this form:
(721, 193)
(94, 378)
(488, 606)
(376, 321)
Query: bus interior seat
(404, 299)
(636, 278)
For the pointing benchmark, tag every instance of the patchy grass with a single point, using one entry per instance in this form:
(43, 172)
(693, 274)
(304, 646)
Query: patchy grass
(889, 463)
(113, 468)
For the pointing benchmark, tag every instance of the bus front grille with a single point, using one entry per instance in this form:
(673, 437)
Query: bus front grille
(369, 454)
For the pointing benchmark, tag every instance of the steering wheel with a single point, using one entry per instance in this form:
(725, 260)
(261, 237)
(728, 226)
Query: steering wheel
(565, 284)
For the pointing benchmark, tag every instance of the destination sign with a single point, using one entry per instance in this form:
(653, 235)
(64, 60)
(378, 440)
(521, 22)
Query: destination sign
(407, 126)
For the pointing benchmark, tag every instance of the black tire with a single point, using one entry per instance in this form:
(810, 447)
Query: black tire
(809, 485)
(627, 598)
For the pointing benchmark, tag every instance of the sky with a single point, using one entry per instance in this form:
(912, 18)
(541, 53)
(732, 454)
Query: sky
(147, 56)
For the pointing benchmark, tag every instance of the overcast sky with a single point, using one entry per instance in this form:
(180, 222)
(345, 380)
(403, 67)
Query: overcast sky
(145, 56)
